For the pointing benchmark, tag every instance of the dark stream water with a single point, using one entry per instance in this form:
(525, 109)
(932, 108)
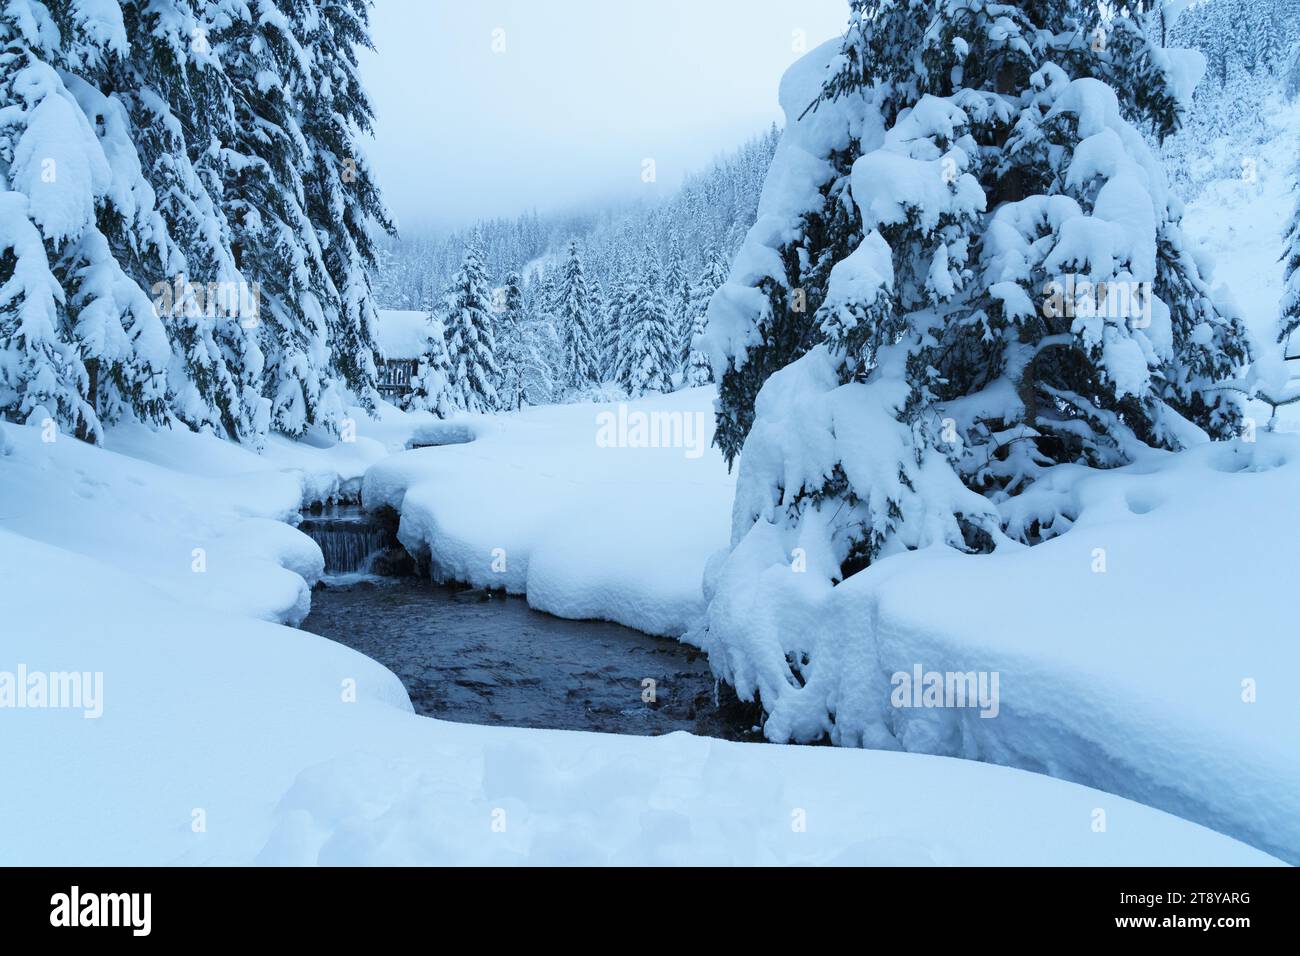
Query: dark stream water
(497, 661)
(490, 659)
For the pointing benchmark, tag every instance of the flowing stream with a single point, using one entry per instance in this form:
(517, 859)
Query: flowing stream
(481, 658)
(348, 537)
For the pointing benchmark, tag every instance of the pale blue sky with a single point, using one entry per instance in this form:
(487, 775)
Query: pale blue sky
(583, 92)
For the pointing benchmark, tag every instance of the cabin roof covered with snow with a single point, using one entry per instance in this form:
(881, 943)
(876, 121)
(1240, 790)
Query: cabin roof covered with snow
(401, 334)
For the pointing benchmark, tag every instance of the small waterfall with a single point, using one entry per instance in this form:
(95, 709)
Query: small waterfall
(348, 537)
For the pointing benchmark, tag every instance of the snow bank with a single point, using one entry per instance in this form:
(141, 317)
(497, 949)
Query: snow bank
(203, 520)
(326, 468)
(211, 535)
(1143, 652)
(226, 741)
(206, 716)
(494, 796)
(559, 504)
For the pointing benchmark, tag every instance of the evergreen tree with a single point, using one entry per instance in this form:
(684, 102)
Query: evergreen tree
(470, 337)
(1291, 289)
(645, 348)
(573, 314)
(201, 150)
(622, 299)
(677, 299)
(1019, 305)
(79, 336)
(698, 370)
(214, 378)
(277, 246)
(821, 236)
(1251, 35)
(540, 350)
(1020, 302)
(341, 197)
(41, 373)
(1270, 46)
(431, 386)
(512, 345)
(600, 334)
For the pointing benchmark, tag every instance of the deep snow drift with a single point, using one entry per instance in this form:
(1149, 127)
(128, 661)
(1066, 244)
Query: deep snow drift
(1142, 652)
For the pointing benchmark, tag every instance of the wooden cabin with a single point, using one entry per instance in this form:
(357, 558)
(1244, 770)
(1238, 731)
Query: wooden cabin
(395, 378)
(401, 339)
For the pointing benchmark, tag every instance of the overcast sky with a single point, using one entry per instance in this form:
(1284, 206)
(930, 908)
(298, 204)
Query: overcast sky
(582, 92)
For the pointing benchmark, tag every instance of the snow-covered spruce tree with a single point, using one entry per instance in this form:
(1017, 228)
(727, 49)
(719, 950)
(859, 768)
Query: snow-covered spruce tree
(677, 299)
(1291, 74)
(277, 246)
(41, 372)
(646, 353)
(829, 141)
(470, 337)
(431, 386)
(540, 350)
(573, 313)
(1020, 299)
(698, 370)
(622, 301)
(1269, 43)
(512, 347)
(341, 198)
(600, 333)
(1291, 289)
(79, 337)
(214, 378)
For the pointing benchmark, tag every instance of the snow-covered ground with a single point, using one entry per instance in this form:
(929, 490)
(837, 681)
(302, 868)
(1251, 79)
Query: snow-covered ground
(224, 738)
(1129, 679)
(565, 505)
(1146, 651)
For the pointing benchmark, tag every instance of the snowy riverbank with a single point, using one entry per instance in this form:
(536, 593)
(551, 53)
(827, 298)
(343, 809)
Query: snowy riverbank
(1152, 678)
(227, 739)
(570, 506)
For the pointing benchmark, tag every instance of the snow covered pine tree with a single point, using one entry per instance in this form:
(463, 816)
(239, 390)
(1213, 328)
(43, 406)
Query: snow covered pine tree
(677, 299)
(1291, 291)
(512, 345)
(178, 160)
(1283, 391)
(573, 312)
(431, 386)
(1006, 296)
(646, 353)
(470, 337)
(80, 341)
(342, 199)
(698, 370)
